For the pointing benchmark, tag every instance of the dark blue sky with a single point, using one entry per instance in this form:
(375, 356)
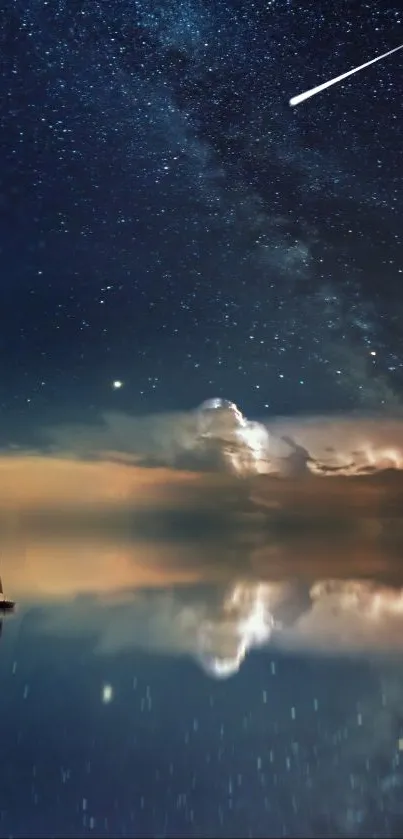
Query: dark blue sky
(169, 221)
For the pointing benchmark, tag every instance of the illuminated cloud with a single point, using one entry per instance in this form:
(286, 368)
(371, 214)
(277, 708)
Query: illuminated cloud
(218, 437)
(111, 515)
(357, 444)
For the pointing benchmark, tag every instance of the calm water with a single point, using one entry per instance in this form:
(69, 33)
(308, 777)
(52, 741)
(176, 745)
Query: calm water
(210, 681)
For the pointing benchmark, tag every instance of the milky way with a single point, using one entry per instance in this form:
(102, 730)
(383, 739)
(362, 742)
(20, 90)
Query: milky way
(182, 229)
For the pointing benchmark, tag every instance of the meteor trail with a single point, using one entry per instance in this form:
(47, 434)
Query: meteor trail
(296, 100)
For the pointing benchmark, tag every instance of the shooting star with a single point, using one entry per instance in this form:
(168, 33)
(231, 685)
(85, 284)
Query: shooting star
(296, 100)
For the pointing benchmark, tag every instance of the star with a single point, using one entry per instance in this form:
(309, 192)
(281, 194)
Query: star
(117, 384)
(107, 694)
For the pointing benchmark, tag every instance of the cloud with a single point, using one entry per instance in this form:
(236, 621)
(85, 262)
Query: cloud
(113, 506)
(222, 439)
(110, 511)
(347, 444)
(36, 481)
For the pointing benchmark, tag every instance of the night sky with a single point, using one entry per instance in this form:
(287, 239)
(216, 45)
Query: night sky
(172, 231)
(170, 222)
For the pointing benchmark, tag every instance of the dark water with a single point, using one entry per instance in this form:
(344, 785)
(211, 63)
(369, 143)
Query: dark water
(243, 681)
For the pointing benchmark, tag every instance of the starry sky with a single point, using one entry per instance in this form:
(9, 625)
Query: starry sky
(172, 231)
(168, 221)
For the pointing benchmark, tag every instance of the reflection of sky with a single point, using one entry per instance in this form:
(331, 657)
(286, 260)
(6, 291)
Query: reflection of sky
(115, 729)
(268, 754)
(172, 749)
(139, 581)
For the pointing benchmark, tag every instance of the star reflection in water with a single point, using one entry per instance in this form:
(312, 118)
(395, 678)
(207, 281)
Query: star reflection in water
(250, 649)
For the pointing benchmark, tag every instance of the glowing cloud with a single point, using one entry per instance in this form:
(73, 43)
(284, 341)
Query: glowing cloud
(218, 437)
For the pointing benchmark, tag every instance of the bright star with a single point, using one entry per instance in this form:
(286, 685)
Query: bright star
(117, 384)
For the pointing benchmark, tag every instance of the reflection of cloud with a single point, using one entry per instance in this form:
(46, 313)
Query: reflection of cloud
(111, 510)
(246, 622)
(219, 625)
(62, 554)
(69, 527)
(350, 617)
